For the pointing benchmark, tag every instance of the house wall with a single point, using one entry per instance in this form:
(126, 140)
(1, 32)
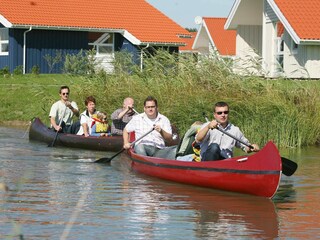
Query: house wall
(40, 43)
(249, 50)
(123, 45)
(305, 63)
(43, 42)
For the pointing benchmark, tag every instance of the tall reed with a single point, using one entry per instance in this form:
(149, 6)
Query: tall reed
(285, 111)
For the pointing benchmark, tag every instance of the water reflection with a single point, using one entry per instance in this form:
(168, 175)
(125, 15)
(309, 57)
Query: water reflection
(56, 193)
(206, 213)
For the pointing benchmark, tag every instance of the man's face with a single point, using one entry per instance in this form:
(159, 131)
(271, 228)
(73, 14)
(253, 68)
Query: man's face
(129, 103)
(221, 114)
(64, 94)
(151, 109)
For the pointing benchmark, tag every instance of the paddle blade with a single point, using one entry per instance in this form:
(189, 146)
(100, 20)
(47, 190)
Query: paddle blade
(107, 160)
(103, 160)
(288, 167)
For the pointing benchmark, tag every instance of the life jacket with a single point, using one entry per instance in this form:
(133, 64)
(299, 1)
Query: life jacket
(101, 127)
(196, 152)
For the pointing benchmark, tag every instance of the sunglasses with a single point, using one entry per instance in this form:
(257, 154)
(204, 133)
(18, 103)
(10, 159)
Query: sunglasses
(150, 107)
(225, 112)
(65, 93)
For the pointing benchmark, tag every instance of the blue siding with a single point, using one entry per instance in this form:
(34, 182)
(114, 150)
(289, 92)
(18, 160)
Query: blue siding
(47, 42)
(40, 43)
(43, 42)
(122, 44)
(15, 48)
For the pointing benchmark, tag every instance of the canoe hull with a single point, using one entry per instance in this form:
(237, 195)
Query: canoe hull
(258, 174)
(40, 132)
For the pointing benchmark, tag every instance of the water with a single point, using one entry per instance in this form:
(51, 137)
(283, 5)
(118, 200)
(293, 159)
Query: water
(58, 193)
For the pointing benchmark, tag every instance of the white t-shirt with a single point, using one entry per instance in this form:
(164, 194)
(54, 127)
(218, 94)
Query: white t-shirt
(84, 118)
(140, 124)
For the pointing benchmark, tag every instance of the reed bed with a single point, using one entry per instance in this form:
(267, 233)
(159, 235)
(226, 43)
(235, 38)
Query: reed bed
(282, 110)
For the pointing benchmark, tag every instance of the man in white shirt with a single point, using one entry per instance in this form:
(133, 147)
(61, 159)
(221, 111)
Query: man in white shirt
(64, 110)
(152, 144)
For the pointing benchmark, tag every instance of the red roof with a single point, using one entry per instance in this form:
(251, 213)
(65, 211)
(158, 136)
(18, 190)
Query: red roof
(224, 40)
(138, 17)
(189, 42)
(303, 16)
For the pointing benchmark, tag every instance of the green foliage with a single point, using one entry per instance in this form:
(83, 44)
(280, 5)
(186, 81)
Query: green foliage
(18, 70)
(82, 63)
(4, 71)
(35, 70)
(52, 61)
(285, 111)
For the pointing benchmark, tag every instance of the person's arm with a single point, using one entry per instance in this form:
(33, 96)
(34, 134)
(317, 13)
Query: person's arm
(166, 136)
(126, 142)
(203, 131)
(54, 124)
(85, 129)
(118, 114)
(73, 107)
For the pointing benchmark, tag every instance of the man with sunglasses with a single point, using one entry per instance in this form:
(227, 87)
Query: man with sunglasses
(64, 110)
(152, 144)
(214, 144)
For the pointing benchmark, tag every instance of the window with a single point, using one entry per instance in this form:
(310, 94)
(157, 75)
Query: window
(104, 44)
(4, 41)
(279, 51)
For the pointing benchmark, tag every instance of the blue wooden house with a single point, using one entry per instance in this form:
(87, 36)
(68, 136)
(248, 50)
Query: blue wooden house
(32, 30)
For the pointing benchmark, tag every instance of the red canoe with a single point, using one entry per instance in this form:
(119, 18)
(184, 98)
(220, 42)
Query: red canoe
(257, 174)
(40, 132)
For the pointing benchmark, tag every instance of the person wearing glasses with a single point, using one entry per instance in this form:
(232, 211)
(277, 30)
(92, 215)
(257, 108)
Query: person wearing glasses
(215, 145)
(64, 110)
(122, 116)
(153, 144)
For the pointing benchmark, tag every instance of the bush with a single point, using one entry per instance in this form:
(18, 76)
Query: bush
(18, 70)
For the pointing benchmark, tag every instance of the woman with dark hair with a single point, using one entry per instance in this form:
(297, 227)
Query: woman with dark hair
(86, 117)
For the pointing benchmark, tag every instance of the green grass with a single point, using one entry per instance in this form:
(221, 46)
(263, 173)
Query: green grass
(286, 111)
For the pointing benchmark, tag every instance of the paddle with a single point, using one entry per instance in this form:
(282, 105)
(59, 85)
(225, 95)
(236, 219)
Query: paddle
(107, 160)
(55, 137)
(288, 167)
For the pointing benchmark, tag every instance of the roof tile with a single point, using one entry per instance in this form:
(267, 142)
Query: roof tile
(137, 17)
(303, 17)
(224, 40)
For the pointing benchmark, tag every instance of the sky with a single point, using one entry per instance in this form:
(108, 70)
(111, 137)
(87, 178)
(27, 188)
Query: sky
(184, 12)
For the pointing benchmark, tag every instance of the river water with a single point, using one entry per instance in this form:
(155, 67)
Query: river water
(58, 193)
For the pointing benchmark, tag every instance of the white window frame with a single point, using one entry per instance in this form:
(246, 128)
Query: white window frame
(279, 54)
(4, 42)
(100, 43)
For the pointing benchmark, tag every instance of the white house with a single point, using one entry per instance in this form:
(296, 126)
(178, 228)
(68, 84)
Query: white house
(277, 37)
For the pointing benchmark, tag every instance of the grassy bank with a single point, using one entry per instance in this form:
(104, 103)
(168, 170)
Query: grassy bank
(285, 111)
